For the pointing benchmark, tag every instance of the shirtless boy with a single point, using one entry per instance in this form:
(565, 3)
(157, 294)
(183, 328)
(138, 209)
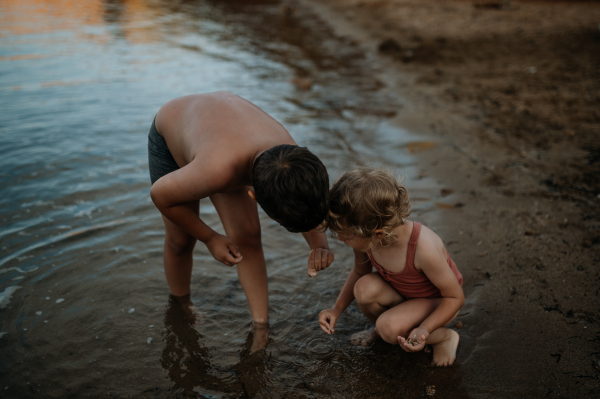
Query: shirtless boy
(222, 147)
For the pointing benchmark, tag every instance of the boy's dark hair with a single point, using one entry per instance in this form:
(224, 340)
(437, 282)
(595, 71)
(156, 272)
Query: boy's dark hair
(292, 186)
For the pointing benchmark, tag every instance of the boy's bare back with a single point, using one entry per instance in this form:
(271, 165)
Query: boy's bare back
(217, 135)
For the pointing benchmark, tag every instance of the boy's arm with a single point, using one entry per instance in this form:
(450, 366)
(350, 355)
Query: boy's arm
(328, 317)
(171, 194)
(320, 256)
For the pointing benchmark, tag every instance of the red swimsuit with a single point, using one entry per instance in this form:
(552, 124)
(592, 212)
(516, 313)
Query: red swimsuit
(411, 283)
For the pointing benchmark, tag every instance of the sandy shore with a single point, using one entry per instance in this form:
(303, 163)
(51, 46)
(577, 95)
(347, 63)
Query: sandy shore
(511, 92)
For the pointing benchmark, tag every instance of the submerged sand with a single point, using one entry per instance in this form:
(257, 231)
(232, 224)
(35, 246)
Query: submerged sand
(510, 91)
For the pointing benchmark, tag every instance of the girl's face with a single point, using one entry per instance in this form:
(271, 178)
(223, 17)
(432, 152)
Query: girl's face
(354, 242)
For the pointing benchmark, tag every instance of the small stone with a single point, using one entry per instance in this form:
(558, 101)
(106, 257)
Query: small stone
(45, 321)
(149, 340)
(47, 298)
(446, 191)
(430, 390)
(39, 313)
(132, 310)
(61, 300)
(302, 83)
(97, 337)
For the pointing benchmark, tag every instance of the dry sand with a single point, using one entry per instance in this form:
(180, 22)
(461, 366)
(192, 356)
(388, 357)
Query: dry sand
(511, 91)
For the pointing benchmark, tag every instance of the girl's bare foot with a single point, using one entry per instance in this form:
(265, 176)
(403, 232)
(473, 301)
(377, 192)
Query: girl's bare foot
(364, 338)
(444, 353)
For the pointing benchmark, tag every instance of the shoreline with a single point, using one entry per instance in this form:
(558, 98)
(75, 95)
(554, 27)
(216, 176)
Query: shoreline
(518, 147)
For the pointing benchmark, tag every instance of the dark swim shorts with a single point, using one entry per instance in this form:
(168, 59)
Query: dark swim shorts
(160, 160)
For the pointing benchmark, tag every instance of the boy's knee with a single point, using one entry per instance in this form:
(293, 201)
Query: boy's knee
(365, 290)
(248, 236)
(180, 245)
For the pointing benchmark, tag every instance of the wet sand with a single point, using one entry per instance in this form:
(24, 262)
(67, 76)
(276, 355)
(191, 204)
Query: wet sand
(510, 92)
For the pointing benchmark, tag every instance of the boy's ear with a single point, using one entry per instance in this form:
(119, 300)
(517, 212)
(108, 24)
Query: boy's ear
(252, 195)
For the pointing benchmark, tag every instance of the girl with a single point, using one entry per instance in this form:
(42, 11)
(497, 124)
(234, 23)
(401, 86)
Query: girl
(417, 288)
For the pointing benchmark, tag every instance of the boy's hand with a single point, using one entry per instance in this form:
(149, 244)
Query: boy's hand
(327, 319)
(319, 259)
(415, 340)
(224, 250)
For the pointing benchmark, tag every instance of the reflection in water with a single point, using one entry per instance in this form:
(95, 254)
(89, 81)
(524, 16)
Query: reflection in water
(187, 360)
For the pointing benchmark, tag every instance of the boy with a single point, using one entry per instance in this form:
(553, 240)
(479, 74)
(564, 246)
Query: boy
(222, 147)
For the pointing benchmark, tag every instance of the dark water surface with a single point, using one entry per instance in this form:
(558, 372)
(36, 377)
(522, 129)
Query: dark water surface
(84, 305)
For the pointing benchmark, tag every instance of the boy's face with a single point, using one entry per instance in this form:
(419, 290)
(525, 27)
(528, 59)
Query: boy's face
(354, 242)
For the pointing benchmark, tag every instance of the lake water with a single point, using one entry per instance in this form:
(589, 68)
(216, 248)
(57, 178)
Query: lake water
(84, 304)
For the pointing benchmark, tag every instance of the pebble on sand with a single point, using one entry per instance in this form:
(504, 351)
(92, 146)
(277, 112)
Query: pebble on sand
(39, 313)
(131, 310)
(61, 300)
(149, 340)
(302, 83)
(430, 390)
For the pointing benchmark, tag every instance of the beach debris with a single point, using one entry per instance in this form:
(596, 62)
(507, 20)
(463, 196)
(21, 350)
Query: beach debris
(302, 83)
(389, 46)
(39, 313)
(61, 300)
(430, 390)
(420, 146)
(149, 340)
(459, 324)
(132, 310)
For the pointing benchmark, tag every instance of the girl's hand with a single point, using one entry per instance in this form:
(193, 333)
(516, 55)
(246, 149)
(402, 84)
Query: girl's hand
(224, 250)
(415, 340)
(327, 319)
(319, 259)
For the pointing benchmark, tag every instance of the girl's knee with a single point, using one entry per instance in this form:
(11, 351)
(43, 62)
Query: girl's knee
(390, 331)
(366, 289)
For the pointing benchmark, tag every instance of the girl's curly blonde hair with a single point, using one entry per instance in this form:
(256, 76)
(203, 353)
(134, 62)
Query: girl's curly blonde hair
(364, 200)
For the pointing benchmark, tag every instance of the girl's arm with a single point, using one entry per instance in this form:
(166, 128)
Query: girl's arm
(432, 260)
(328, 317)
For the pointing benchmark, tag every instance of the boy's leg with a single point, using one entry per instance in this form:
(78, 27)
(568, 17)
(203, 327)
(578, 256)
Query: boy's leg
(239, 214)
(178, 250)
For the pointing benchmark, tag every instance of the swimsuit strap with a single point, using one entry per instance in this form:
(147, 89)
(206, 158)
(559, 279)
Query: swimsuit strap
(412, 245)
